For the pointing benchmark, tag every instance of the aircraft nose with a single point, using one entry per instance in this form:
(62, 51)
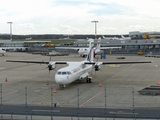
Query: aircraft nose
(59, 79)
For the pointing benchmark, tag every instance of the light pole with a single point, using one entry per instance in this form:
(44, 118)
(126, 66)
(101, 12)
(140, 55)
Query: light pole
(95, 29)
(10, 30)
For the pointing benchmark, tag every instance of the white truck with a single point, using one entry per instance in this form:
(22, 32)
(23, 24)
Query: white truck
(53, 53)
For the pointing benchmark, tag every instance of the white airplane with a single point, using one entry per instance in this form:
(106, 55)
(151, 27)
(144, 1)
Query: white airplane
(110, 38)
(66, 38)
(2, 52)
(76, 70)
(125, 38)
(14, 48)
(83, 52)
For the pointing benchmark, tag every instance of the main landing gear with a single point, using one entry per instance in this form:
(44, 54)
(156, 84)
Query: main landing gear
(88, 80)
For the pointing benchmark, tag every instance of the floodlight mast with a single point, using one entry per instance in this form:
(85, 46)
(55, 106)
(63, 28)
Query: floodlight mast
(10, 30)
(95, 29)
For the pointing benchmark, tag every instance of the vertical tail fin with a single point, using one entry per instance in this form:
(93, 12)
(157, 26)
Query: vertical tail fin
(97, 49)
(103, 37)
(99, 44)
(122, 36)
(90, 56)
(90, 43)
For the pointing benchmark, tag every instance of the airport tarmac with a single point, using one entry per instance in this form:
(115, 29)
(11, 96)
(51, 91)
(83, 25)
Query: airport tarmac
(120, 82)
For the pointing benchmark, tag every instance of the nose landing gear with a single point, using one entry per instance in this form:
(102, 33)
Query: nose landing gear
(62, 86)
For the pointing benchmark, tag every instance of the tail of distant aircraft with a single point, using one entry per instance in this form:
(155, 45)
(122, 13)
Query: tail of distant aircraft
(103, 37)
(90, 56)
(98, 46)
(122, 36)
(90, 40)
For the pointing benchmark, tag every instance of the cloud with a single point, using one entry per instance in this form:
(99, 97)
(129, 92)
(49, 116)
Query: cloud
(28, 25)
(74, 17)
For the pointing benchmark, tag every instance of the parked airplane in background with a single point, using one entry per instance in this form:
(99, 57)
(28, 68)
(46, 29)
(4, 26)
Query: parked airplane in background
(116, 38)
(76, 70)
(14, 48)
(110, 38)
(84, 51)
(2, 52)
(125, 38)
(66, 38)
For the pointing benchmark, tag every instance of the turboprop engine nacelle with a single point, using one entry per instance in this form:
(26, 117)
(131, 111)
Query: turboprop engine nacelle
(51, 66)
(98, 66)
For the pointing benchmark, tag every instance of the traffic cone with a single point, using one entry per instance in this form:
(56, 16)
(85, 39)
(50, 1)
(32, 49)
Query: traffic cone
(47, 83)
(158, 82)
(54, 90)
(99, 84)
(6, 79)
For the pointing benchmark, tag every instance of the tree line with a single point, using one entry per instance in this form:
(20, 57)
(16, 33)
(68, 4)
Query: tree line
(52, 36)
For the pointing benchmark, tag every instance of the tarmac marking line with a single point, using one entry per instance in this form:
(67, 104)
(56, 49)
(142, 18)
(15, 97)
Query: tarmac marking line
(39, 100)
(91, 99)
(2, 68)
(14, 91)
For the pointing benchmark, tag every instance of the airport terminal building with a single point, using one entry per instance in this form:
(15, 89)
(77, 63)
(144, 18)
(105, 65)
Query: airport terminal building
(145, 42)
(127, 46)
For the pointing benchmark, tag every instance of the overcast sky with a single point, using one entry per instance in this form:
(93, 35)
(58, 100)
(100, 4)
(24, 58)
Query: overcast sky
(75, 16)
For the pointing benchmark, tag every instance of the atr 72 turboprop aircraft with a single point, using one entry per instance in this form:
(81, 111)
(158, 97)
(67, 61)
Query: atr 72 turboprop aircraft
(76, 70)
(2, 51)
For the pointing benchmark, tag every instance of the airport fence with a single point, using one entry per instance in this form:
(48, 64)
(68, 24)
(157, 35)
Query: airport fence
(103, 98)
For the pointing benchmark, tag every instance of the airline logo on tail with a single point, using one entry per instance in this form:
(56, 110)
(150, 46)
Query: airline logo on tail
(95, 49)
(90, 55)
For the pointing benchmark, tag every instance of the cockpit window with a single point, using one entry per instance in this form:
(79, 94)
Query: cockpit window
(63, 73)
(59, 73)
(68, 72)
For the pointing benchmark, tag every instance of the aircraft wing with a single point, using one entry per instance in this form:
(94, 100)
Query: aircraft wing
(63, 62)
(109, 48)
(73, 48)
(118, 62)
(37, 62)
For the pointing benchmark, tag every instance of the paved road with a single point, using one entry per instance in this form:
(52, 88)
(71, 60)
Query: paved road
(145, 113)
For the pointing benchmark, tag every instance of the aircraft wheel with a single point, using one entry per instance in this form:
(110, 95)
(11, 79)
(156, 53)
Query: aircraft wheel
(90, 80)
(87, 80)
(62, 86)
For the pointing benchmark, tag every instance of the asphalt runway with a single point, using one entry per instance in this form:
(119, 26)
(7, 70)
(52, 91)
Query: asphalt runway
(121, 81)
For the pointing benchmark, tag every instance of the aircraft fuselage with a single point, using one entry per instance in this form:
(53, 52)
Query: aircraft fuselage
(73, 72)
